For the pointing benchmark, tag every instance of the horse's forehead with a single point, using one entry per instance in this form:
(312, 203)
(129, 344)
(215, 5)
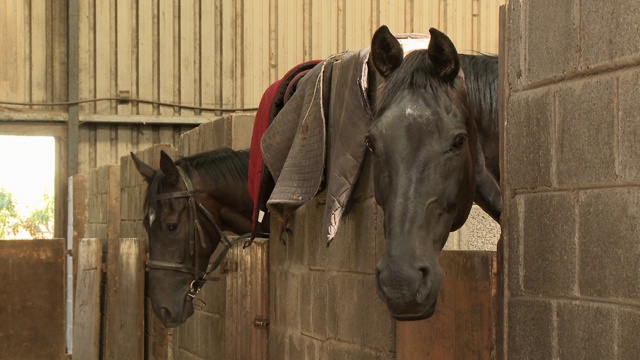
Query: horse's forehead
(418, 115)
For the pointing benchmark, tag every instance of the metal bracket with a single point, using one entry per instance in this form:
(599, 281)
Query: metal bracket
(261, 321)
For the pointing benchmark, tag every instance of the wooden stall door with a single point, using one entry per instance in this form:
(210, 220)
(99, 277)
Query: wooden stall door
(32, 300)
(247, 303)
(463, 326)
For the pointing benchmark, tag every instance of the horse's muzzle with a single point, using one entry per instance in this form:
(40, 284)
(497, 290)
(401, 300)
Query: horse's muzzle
(410, 293)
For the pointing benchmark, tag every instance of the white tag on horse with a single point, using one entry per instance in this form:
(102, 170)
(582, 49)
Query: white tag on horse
(260, 216)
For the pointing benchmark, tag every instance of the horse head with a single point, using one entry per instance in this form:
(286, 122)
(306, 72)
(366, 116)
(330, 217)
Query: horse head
(186, 214)
(425, 151)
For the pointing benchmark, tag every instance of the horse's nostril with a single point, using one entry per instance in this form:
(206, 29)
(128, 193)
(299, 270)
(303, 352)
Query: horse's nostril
(423, 285)
(165, 313)
(424, 271)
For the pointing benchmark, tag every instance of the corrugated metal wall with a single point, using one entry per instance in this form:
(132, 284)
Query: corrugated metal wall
(205, 53)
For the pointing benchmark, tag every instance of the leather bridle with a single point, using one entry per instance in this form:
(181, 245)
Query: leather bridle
(195, 233)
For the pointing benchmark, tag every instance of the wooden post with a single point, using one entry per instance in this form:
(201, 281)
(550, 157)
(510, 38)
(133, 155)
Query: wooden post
(247, 312)
(463, 326)
(86, 323)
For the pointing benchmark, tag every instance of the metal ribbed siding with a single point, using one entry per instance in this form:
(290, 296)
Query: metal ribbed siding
(225, 53)
(214, 53)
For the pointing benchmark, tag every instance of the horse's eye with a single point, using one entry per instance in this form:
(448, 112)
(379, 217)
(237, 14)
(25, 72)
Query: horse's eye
(172, 227)
(369, 143)
(458, 142)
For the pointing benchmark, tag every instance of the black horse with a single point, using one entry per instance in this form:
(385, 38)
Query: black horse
(189, 205)
(434, 143)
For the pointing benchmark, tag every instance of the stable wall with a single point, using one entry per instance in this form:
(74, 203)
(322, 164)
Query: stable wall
(571, 178)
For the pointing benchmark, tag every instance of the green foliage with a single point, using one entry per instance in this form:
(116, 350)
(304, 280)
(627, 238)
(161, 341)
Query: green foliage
(7, 211)
(39, 224)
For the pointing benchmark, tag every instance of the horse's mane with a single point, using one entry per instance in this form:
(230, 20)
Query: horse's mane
(481, 79)
(221, 165)
(417, 72)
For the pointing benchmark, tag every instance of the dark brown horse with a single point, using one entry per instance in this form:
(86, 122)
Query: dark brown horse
(434, 144)
(189, 205)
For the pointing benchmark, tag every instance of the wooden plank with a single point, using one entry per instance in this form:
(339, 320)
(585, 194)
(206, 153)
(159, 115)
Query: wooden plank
(187, 55)
(86, 69)
(247, 299)
(130, 299)
(463, 326)
(110, 191)
(59, 46)
(145, 59)
(210, 72)
(38, 52)
(78, 184)
(228, 55)
(86, 323)
(124, 32)
(166, 55)
(255, 50)
(33, 325)
(104, 60)
(125, 141)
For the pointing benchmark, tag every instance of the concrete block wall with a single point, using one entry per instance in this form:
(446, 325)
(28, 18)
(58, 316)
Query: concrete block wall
(571, 125)
(202, 337)
(323, 300)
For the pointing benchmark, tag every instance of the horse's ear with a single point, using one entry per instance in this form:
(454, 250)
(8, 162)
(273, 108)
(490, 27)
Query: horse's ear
(145, 170)
(386, 51)
(169, 168)
(443, 55)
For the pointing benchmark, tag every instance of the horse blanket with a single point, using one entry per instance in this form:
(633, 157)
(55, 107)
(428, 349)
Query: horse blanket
(315, 141)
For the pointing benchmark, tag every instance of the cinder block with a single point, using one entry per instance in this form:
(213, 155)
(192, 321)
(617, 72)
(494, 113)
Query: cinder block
(241, 131)
(207, 132)
(222, 133)
(549, 234)
(585, 331)
(277, 343)
(608, 252)
(552, 39)
(528, 145)
(606, 29)
(628, 344)
(319, 256)
(277, 250)
(313, 289)
(364, 186)
(629, 156)
(296, 244)
(365, 233)
(513, 241)
(311, 348)
(515, 48)
(363, 319)
(285, 299)
(295, 349)
(586, 131)
(337, 350)
(530, 329)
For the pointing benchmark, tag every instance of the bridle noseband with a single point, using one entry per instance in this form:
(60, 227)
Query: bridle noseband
(195, 232)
